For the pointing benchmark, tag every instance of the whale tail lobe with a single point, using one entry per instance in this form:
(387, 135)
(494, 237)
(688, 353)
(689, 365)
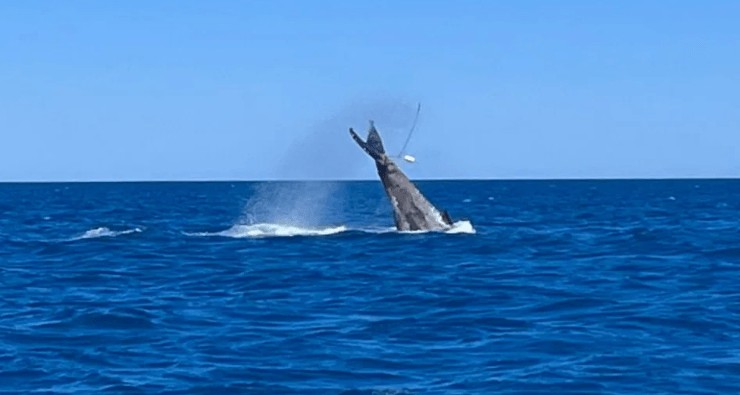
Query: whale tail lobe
(373, 139)
(374, 144)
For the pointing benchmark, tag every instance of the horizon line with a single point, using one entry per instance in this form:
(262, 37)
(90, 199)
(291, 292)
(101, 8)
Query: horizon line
(135, 181)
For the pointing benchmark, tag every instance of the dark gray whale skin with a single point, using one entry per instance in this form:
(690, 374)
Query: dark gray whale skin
(412, 211)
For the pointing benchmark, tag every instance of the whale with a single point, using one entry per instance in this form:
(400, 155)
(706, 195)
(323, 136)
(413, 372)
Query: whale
(412, 211)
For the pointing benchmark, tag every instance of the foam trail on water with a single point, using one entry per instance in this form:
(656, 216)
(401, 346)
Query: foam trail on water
(277, 230)
(105, 232)
(272, 230)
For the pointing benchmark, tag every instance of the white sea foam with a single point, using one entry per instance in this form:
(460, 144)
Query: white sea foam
(272, 230)
(278, 230)
(105, 232)
(461, 227)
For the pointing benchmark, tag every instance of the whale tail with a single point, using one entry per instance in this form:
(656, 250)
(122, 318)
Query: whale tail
(374, 144)
(373, 139)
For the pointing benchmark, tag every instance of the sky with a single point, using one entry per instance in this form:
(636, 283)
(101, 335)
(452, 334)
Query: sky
(259, 90)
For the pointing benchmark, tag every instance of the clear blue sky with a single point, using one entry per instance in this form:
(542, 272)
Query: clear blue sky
(152, 90)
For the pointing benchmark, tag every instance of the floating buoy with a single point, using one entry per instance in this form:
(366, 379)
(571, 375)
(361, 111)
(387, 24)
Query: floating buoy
(409, 158)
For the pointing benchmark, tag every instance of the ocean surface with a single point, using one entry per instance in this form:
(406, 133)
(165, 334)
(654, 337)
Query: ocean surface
(588, 287)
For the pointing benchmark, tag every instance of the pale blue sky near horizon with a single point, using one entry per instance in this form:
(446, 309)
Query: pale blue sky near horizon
(251, 90)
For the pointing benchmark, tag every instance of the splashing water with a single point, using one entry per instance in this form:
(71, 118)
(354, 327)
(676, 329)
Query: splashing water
(298, 205)
(461, 227)
(277, 230)
(105, 232)
(271, 230)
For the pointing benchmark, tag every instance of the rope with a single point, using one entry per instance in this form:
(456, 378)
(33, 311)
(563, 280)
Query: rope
(408, 138)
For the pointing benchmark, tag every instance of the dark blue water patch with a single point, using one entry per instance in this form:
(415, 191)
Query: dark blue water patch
(613, 287)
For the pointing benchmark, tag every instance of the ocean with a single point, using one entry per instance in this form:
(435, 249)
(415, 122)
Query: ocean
(582, 287)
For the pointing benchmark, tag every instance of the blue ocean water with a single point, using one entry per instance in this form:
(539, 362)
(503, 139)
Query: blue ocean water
(594, 287)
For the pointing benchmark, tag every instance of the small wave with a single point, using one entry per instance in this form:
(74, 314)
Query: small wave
(105, 232)
(272, 230)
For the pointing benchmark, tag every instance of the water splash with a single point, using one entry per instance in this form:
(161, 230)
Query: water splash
(271, 230)
(459, 227)
(262, 230)
(105, 232)
(292, 204)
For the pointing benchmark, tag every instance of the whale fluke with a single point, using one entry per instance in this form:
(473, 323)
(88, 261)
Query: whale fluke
(412, 211)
